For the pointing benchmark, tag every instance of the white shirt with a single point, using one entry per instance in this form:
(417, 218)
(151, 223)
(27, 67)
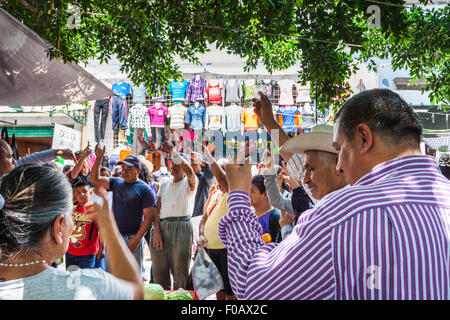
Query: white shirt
(286, 97)
(215, 118)
(109, 197)
(177, 199)
(233, 115)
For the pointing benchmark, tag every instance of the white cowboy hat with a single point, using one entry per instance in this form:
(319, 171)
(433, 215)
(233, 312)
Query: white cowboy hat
(320, 138)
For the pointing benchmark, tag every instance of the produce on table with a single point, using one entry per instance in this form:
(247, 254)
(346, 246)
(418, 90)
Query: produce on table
(153, 291)
(179, 295)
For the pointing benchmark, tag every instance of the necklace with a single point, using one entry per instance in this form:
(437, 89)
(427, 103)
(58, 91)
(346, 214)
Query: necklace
(21, 264)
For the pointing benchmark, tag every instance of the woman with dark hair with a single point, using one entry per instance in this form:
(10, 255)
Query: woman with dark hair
(35, 226)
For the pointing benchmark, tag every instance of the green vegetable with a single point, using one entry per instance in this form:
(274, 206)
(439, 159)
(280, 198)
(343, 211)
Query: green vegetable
(153, 291)
(177, 295)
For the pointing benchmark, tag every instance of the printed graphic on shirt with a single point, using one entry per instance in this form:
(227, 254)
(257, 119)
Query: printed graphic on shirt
(79, 229)
(78, 234)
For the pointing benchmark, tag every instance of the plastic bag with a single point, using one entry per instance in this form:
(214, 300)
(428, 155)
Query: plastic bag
(205, 275)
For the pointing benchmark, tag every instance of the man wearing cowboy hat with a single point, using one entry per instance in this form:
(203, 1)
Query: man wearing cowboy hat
(319, 175)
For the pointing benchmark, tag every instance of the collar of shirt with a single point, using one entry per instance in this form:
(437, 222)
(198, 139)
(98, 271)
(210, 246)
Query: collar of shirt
(398, 166)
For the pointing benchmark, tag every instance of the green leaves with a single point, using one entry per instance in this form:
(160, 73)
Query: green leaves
(327, 38)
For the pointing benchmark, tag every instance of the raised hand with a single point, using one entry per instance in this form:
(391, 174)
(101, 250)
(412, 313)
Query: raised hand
(263, 109)
(66, 154)
(239, 176)
(99, 152)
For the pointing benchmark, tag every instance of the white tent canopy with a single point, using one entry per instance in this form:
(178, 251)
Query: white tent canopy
(29, 78)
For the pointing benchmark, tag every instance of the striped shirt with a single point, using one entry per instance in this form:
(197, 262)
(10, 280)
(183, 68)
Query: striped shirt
(385, 237)
(177, 114)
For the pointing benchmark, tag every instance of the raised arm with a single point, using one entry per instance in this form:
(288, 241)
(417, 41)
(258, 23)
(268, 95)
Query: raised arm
(79, 164)
(179, 160)
(218, 172)
(46, 156)
(95, 177)
(264, 111)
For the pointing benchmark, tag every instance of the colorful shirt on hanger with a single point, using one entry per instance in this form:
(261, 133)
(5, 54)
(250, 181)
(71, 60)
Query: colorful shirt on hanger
(178, 89)
(157, 115)
(215, 118)
(233, 114)
(139, 94)
(286, 95)
(196, 90)
(249, 119)
(138, 117)
(233, 91)
(289, 113)
(267, 87)
(177, 114)
(196, 116)
(214, 90)
(303, 94)
(122, 89)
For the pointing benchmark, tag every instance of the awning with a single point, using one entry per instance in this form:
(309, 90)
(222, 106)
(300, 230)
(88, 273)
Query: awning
(437, 142)
(29, 78)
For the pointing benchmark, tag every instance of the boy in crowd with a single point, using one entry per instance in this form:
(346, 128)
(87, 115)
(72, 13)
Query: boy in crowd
(84, 244)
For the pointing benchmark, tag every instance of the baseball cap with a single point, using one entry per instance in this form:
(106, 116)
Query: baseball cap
(131, 161)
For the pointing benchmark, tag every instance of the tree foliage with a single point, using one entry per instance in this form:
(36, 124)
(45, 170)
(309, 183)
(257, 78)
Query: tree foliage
(327, 37)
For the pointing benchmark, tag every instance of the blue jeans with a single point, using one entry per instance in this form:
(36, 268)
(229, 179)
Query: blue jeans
(83, 262)
(119, 114)
(100, 263)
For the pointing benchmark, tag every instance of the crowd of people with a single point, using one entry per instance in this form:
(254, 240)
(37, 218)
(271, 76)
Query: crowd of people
(353, 211)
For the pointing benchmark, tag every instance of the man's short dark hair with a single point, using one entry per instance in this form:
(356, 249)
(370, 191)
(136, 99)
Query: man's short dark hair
(81, 184)
(105, 169)
(258, 182)
(384, 112)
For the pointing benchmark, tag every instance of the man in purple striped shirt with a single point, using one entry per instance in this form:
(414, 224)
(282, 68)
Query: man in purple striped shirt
(385, 237)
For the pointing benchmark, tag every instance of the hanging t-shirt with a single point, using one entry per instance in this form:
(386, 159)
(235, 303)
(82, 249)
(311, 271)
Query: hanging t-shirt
(286, 96)
(289, 113)
(303, 94)
(177, 114)
(122, 89)
(249, 119)
(178, 89)
(233, 91)
(267, 87)
(215, 118)
(233, 114)
(214, 91)
(157, 115)
(84, 238)
(139, 94)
